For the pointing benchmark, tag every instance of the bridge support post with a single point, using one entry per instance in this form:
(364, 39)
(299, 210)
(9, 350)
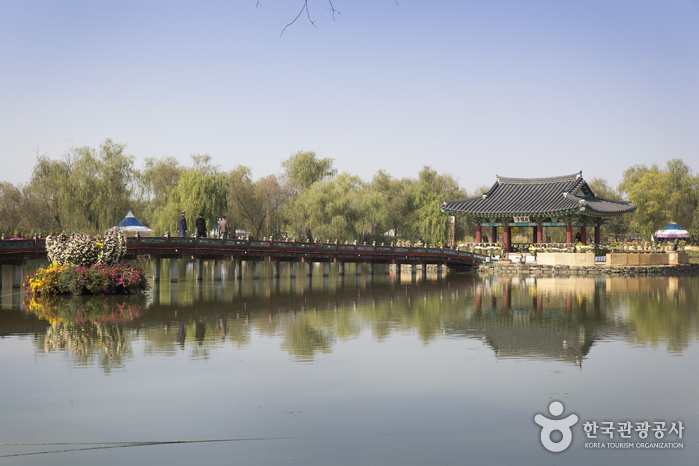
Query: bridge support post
(413, 269)
(309, 269)
(387, 269)
(16, 276)
(423, 268)
(341, 268)
(292, 271)
(371, 268)
(217, 271)
(238, 269)
(275, 269)
(398, 270)
(200, 270)
(155, 292)
(357, 268)
(256, 270)
(174, 267)
(326, 269)
(156, 269)
(173, 294)
(439, 269)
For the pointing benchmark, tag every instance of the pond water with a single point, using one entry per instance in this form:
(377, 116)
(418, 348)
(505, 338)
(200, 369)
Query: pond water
(353, 370)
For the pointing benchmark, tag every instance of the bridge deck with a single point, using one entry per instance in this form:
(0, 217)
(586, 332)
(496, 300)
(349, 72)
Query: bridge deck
(19, 251)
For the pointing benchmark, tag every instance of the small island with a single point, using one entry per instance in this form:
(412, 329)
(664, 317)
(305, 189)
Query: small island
(80, 264)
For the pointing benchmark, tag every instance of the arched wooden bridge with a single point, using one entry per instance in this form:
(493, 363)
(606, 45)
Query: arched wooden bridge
(17, 252)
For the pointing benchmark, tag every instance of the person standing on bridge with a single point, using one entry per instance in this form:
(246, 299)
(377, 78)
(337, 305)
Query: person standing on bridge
(182, 224)
(201, 226)
(223, 227)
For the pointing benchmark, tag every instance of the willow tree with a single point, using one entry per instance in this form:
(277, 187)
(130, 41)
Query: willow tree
(649, 190)
(202, 188)
(301, 171)
(14, 215)
(88, 190)
(153, 182)
(333, 207)
(386, 202)
(617, 225)
(256, 206)
(661, 195)
(427, 221)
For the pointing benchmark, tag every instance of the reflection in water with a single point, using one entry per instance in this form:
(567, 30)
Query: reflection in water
(534, 318)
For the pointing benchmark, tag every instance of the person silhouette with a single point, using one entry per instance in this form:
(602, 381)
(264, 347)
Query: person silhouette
(561, 425)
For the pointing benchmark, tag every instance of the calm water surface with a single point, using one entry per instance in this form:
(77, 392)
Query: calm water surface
(350, 370)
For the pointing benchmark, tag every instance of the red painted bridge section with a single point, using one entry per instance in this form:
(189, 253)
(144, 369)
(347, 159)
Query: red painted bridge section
(19, 251)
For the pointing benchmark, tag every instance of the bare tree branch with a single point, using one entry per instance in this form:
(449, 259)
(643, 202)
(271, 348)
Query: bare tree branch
(332, 8)
(308, 13)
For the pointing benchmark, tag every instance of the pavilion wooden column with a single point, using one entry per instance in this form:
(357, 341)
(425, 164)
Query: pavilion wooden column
(534, 231)
(494, 235)
(507, 238)
(597, 234)
(540, 234)
(569, 233)
(583, 234)
(479, 233)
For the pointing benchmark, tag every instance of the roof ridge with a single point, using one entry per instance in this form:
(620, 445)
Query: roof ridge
(551, 179)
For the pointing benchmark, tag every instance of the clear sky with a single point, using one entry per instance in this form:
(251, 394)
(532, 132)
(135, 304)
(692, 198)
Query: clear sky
(473, 88)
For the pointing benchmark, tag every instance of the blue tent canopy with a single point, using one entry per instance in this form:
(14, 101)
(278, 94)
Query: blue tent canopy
(131, 224)
(672, 230)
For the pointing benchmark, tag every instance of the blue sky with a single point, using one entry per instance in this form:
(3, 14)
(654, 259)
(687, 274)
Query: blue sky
(473, 88)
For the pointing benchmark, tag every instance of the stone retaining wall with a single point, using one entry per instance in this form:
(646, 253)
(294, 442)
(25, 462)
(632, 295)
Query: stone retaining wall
(595, 270)
(613, 259)
(565, 258)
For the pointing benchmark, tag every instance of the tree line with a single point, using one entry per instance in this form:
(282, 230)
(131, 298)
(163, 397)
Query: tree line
(92, 189)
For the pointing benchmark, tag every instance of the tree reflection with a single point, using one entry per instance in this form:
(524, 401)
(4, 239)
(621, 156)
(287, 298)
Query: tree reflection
(517, 317)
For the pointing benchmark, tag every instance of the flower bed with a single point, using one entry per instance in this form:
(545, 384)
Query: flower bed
(82, 265)
(77, 279)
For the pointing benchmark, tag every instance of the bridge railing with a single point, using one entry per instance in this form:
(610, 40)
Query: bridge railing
(36, 248)
(300, 246)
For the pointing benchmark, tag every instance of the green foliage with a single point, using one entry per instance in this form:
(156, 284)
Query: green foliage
(333, 208)
(69, 281)
(661, 195)
(256, 206)
(427, 221)
(303, 169)
(153, 183)
(89, 190)
(617, 226)
(200, 189)
(96, 281)
(386, 202)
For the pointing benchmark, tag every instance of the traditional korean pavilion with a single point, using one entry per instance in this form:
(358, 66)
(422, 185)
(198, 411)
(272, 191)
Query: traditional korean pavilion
(561, 201)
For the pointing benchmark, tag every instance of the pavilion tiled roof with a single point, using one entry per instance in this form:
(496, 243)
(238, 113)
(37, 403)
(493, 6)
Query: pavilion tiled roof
(538, 196)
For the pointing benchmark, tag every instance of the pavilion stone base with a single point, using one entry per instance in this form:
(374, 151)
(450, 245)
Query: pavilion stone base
(665, 258)
(565, 258)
